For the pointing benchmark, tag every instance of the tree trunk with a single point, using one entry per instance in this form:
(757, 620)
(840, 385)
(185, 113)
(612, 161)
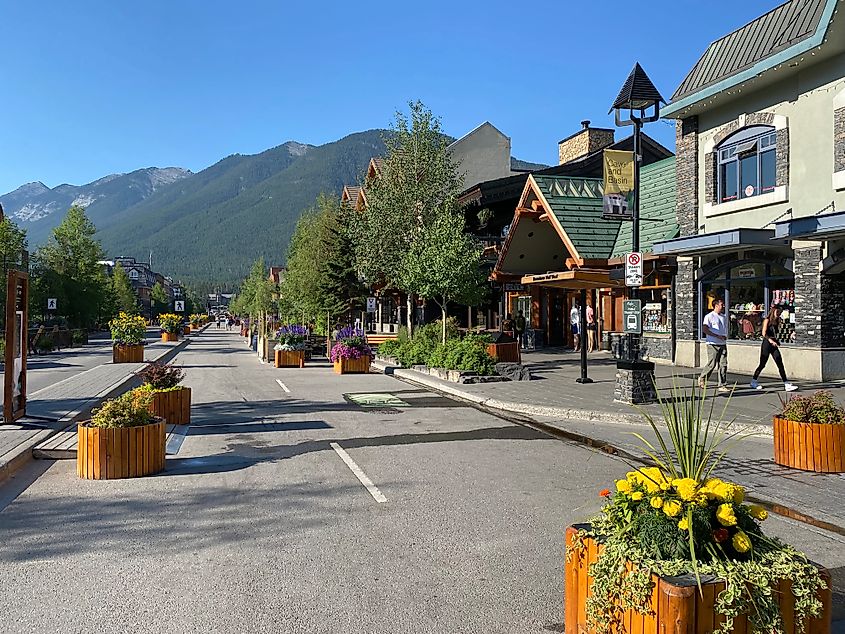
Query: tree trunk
(443, 317)
(410, 318)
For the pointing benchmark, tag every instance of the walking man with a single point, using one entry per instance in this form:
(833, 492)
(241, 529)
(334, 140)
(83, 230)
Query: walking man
(716, 335)
(519, 326)
(575, 323)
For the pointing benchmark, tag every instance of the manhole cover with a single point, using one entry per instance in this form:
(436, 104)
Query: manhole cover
(379, 400)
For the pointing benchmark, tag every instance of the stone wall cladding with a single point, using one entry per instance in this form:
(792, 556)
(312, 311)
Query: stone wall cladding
(808, 297)
(782, 158)
(583, 143)
(686, 169)
(833, 310)
(839, 140)
(711, 178)
(686, 302)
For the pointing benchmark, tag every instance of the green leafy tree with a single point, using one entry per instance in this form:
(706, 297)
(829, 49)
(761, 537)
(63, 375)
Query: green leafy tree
(123, 296)
(12, 244)
(444, 264)
(74, 256)
(418, 183)
(159, 301)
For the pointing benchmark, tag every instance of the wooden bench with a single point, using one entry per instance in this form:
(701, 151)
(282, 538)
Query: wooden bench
(376, 339)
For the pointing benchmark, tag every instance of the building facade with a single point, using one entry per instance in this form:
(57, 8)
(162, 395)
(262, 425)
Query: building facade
(761, 189)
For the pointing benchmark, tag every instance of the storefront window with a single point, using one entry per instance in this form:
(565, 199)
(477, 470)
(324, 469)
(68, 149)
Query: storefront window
(655, 310)
(749, 289)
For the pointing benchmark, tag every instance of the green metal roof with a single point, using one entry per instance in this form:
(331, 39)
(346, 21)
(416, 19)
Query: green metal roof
(577, 205)
(658, 219)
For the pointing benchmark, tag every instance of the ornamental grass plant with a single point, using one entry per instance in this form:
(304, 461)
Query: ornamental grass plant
(676, 517)
(128, 330)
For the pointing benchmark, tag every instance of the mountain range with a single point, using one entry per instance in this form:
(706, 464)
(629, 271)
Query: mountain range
(209, 226)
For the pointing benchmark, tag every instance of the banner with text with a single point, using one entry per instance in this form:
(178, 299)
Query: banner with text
(618, 197)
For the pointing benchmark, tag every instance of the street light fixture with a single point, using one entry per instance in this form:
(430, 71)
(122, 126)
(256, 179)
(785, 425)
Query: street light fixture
(637, 103)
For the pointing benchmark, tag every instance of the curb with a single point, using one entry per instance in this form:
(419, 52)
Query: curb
(541, 410)
(24, 451)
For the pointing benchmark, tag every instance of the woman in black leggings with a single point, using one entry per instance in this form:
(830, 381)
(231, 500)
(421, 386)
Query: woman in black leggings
(771, 348)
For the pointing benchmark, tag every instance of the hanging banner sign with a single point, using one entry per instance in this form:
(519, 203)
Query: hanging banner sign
(618, 198)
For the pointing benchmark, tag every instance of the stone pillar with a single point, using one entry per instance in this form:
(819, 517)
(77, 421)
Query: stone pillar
(808, 295)
(686, 174)
(833, 310)
(634, 382)
(380, 313)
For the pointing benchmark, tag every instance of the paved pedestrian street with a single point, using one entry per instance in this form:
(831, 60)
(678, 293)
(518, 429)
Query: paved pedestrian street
(296, 506)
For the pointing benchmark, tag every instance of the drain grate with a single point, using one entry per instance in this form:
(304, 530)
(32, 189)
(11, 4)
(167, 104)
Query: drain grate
(378, 400)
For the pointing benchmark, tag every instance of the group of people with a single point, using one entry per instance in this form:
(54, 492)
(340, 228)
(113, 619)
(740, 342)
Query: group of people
(518, 326)
(716, 334)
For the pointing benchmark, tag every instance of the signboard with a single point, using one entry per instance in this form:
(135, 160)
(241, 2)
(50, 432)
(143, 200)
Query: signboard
(371, 304)
(515, 287)
(632, 321)
(14, 378)
(179, 306)
(51, 303)
(618, 191)
(634, 269)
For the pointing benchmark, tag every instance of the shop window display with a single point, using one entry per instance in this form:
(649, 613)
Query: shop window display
(749, 289)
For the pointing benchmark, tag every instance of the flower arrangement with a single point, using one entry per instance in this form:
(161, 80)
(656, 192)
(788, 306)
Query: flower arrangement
(819, 408)
(196, 319)
(131, 409)
(170, 323)
(291, 338)
(350, 344)
(161, 377)
(677, 518)
(128, 330)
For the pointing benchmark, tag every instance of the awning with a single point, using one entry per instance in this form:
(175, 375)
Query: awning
(827, 227)
(730, 240)
(577, 279)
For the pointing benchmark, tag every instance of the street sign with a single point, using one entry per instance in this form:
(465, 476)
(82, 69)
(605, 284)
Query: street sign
(51, 303)
(634, 269)
(179, 306)
(371, 304)
(632, 322)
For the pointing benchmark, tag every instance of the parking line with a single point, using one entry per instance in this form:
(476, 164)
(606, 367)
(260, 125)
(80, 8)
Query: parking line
(362, 477)
(283, 386)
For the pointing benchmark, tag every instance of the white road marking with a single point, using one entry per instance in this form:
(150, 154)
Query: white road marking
(362, 477)
(283, 386)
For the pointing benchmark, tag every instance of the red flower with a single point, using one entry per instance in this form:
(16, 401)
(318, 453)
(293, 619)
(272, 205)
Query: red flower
(721, 535)
(605, 493)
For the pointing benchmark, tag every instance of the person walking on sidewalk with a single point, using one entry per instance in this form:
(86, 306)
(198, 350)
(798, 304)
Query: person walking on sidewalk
(771, 348)
(519, 328)
(716, 334)
(591, 328)
(575, 323)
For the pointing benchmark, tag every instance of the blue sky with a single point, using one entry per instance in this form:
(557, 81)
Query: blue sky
(95, 87)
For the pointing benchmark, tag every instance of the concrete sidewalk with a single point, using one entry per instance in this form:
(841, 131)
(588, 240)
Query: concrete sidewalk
(586, 413)
(52, 408)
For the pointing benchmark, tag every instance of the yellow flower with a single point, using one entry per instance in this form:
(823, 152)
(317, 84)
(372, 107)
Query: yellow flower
(758, 512)
(632, 476)
(651, 478)
(623, 486)
(722, 491)
(683, 524)
(656, 502)
(738, 493)
(687, 488)
(637, 496)
(672, 508)
(725, 515)
(665, 486)
(741, 543)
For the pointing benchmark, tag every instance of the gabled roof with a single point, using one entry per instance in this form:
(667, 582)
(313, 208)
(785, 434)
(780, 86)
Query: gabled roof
(353, 196)
(658, 218)
(774, 38)
(475, 130)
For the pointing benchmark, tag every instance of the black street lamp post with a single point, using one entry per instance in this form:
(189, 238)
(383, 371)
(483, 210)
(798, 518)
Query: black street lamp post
(637, 103)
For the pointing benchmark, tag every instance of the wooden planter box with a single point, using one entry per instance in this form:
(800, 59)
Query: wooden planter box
(676, 604)
(173, 406)
(133, 353)
(504, 352)
(289, 358)
(120, 452)
(167, 337)
(352, 366)
(809, 446)
(186, 330)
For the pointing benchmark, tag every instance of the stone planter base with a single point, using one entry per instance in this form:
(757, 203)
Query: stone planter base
(352, 366)
(635, 382)
(809, 446)
(676, 604)
(289, 358)
(128, 353)
(120, 452)
(173, 406)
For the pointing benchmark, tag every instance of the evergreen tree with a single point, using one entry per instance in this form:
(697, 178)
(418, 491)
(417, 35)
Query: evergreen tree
(123, 296)
(159, 301)
(339, 289)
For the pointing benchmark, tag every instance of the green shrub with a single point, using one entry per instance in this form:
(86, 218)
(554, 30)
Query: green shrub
(78, 336)
(437, 359)
(128, 410)
(389, 348)
(45, 342)
(818, 408)
(162, 376)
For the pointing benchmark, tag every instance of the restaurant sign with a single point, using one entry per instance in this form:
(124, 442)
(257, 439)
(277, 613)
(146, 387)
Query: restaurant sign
(618, 198)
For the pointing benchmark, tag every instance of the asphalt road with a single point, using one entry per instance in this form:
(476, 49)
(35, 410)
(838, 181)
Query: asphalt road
(260, 525)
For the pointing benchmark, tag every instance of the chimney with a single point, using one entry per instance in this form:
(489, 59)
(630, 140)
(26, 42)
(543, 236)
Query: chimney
(586, 141)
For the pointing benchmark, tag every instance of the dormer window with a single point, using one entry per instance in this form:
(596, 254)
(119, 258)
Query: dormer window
(133, 274)
(747, 163)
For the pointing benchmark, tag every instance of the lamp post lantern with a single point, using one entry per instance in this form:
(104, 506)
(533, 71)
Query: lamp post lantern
(638, 103)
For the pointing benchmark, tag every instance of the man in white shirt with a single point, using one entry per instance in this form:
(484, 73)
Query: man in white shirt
(716, 334)
(575, 322)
